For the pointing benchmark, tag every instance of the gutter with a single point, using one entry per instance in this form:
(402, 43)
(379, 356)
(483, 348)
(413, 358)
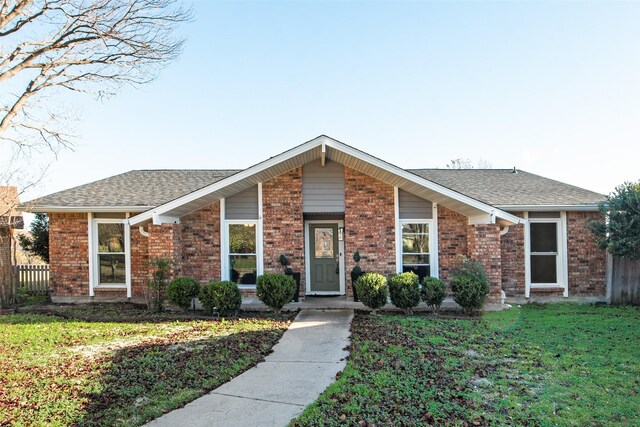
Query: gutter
(550, 208)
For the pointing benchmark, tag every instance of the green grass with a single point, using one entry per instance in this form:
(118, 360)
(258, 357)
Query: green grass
(565, 365)
(56, 371)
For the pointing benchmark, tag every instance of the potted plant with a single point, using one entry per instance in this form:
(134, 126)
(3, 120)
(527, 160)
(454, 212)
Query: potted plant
(289, 272)
(356, 272)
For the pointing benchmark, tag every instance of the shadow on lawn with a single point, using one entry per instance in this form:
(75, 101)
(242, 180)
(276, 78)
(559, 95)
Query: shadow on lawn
(139, 383)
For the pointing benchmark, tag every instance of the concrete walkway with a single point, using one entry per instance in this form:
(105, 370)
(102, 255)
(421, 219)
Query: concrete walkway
(303, 364)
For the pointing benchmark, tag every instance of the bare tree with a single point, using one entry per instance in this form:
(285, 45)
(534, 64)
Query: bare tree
(92, 46)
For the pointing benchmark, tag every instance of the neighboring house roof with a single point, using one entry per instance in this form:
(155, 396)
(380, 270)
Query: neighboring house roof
(505, 189)
(138, 190)
(173, 193)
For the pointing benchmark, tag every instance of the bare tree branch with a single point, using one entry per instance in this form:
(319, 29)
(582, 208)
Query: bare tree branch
(89, 46)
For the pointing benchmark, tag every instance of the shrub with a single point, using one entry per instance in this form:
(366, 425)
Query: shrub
(225, 296)
(372, 290)
(469, 285)
(404, 290)
(434, 292)
(182, 291)
(275, 290)
(156, 286)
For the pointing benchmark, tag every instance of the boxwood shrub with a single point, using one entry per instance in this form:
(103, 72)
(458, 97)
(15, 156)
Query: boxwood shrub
(224, 296)
(404, 290)
(469, 285)
(434, 291)
(372, 290)
(182, 290)
(275, 290)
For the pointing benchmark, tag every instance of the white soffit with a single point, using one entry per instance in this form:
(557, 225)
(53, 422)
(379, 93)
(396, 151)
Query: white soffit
(336, 151)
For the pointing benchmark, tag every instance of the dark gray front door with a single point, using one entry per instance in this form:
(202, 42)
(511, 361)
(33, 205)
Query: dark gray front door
(324, 258)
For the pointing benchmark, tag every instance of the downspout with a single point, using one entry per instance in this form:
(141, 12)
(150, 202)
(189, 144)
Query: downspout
(141, 230)
(503, 295)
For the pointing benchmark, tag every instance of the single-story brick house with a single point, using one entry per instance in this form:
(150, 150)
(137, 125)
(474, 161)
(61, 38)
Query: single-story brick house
(317, 204)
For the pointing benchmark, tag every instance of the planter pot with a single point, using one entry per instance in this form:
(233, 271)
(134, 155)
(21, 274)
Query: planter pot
(296, 277)
(355, 276)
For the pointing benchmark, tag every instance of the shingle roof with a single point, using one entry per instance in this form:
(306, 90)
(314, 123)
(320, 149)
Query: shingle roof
(144, 188)
(149, 188)
(502, 187)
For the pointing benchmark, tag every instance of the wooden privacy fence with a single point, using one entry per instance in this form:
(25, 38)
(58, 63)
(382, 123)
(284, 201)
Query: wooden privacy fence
(32, 279)
(623, 281)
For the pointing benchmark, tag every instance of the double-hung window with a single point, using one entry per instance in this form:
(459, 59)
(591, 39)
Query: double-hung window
(111, 248)
(416, 248)
(242, 243)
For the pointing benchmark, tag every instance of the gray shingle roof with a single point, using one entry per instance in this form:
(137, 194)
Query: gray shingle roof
(502, 187)
(148, 188)
(144, 188)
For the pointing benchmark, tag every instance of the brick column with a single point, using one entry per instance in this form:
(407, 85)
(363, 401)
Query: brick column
(483, 242)
(165, 241)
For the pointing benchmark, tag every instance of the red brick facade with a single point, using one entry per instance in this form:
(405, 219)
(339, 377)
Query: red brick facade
(369, 220)
(283, 223)
(587, 263)
(69, 254)
(195, 246)
(452, 239)
(201, 244)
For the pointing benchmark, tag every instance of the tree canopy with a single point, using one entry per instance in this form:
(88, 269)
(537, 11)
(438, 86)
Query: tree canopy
(38, 243)
(619, 229)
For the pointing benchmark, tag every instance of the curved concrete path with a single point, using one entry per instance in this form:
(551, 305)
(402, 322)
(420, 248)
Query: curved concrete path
(303, 364)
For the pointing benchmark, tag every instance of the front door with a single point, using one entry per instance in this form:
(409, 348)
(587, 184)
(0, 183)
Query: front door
(324, 258)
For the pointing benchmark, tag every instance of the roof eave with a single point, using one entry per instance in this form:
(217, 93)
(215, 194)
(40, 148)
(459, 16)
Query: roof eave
(70, 209)
(550, 208)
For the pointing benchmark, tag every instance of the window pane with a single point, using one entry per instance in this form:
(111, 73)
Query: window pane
(242, 238)
(415, 259)
(543, 269)
(415, 228)
(544, 237)
(421, 270)
(243, 269)
(417, 243)
(324, 242)
(110, 237)
(112, 269)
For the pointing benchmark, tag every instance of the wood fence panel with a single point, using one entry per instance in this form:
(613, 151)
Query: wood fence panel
(32, 279)
(624, 281)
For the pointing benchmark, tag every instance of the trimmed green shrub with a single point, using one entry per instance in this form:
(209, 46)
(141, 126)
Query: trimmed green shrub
(182, 291)
(469, 285)
(275, 290)
(225, 296)
(434, 291)
(404, 290)
(372, 290)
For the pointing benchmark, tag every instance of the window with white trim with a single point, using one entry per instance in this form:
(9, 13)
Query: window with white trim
(111, 252)
(416, 248)
(241, 250)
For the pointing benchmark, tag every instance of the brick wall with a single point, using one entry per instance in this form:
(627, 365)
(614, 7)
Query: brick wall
(69, 254)
(512, 252)
(483, 242)
(139, 263)
(165, 241)
(201, 244)
(587, 263)
(283, 222)
(369, 224)
(452, 239)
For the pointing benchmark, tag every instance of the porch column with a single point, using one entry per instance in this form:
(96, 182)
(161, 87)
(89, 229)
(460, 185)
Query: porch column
(483, 242)
(165, 241)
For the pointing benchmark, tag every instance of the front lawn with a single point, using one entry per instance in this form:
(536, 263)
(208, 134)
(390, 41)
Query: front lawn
(126, 371)
(567, 365)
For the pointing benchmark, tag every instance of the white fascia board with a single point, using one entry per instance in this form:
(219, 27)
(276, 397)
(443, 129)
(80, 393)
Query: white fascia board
(98, 209)
(160, 210)
(423, 182)
(550, 208)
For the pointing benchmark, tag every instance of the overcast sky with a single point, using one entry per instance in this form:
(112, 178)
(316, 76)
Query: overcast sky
(551, 88)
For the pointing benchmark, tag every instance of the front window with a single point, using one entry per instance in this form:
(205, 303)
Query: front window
(242, 253)
(111, 254)
(415, 249)
(544, 252)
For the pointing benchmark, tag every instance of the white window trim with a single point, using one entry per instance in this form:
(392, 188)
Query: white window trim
(433, 243)
(94, 272)
(307, 258)
(225, 250)
(562, 264)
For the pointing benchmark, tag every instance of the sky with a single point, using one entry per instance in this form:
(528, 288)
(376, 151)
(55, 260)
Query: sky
(552, 88)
